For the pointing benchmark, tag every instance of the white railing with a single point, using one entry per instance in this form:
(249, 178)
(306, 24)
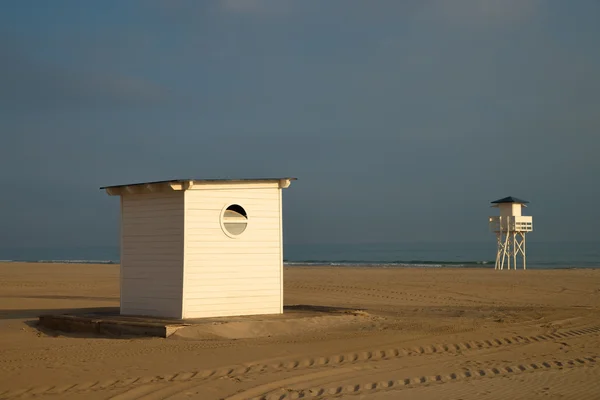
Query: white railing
(512, 224)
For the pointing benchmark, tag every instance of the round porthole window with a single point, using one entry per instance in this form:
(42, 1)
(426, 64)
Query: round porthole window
(234, 220)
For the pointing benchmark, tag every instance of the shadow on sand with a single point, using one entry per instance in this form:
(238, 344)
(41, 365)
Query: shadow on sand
(93, 321)
(34, 313)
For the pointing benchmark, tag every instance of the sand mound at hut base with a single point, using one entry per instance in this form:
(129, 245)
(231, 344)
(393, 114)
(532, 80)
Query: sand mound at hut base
(270, 328)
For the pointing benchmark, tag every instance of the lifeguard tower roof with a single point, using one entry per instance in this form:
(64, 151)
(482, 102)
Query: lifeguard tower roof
(510, 199)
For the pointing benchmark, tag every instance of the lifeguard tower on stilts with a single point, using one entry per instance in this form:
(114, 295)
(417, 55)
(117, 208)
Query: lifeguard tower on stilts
(510, 228)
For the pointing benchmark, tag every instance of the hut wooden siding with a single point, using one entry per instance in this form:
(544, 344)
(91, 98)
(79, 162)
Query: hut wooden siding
(226, 276)
(152, 240)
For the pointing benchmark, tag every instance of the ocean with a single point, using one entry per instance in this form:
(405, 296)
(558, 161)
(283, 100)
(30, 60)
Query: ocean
(542, 255)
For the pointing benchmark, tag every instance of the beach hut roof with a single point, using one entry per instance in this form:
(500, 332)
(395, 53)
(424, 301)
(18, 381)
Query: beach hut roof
(510, 199)
(184, 184)
(195, 180)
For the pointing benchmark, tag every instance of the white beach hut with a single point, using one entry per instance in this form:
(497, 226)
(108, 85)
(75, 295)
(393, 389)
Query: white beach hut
(201, 248)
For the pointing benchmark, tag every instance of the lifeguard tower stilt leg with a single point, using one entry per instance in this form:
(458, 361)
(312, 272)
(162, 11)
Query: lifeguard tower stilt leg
(499, 249)
(524, 254)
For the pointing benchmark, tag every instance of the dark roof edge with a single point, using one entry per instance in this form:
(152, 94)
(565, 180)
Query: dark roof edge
(510, 199)
(202, 180)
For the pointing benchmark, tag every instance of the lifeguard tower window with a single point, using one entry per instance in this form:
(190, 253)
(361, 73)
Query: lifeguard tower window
(234, 220)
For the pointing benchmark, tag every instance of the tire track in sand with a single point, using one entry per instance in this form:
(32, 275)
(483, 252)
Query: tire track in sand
(237, 371)
(315, 392)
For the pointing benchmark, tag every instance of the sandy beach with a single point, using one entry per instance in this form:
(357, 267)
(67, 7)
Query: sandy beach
(354, 333)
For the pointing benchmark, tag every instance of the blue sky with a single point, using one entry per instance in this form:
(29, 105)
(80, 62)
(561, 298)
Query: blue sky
(401, 119)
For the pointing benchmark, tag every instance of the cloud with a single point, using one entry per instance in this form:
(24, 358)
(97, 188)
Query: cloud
(482, 12)
(456, 11)
(260, 7)
(28, 84)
